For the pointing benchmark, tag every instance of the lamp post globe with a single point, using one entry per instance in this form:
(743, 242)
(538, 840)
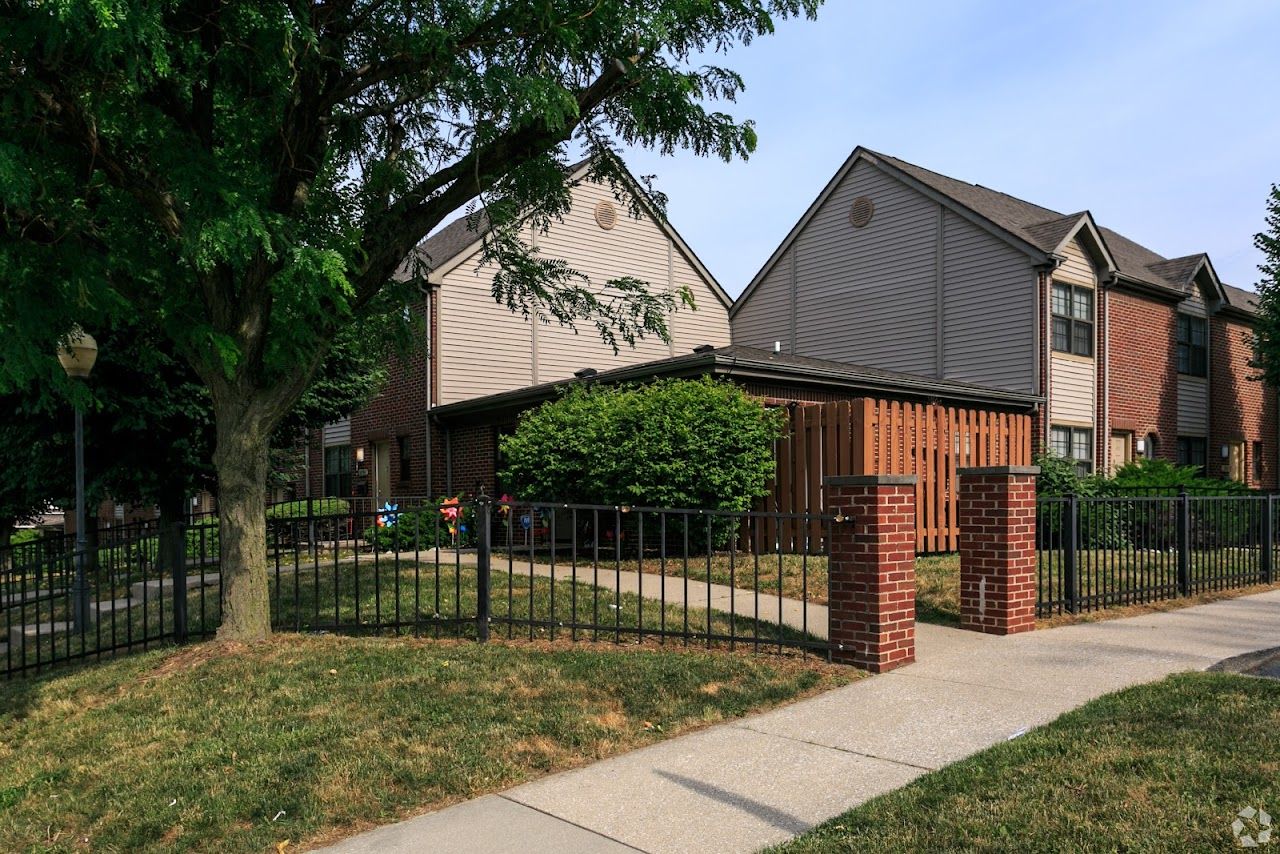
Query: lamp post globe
(77, 354)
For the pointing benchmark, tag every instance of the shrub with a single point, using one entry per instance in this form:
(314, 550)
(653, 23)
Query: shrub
(670, 443)
(319, 507)
(1161, 477)
(420, 529)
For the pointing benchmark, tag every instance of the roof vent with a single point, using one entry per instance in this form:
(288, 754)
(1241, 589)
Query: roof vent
(861, 212)
(606, 215)
(585, 373)
(704, 348)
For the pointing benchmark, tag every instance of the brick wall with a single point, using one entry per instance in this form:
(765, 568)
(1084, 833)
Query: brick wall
(1143, 371)
(1240, 408)
(997, 519)
(872, 574)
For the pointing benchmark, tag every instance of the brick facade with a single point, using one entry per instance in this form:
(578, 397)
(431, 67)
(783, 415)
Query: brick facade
(1142, 392)
(1241, 409)
(872, 596)
(997, 520)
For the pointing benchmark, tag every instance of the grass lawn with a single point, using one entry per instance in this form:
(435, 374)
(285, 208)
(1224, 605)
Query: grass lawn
(1161, 767)
(309, 738)
(938, 579)
(400, 597)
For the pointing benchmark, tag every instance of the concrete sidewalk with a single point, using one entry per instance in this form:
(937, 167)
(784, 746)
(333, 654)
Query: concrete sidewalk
(739, 786)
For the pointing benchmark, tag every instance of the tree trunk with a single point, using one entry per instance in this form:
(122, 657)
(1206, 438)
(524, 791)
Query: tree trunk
(240, 459)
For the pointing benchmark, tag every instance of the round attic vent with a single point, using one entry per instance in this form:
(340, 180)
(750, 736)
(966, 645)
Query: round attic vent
(606, 215)
(861, 212)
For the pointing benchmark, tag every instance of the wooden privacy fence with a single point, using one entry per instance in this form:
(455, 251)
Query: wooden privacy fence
(867, 436)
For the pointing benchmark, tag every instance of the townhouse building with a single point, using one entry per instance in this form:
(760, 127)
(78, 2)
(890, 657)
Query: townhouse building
(1130, 352)
(475, 348)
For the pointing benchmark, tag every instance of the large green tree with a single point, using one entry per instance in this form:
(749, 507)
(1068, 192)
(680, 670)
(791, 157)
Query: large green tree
(245, 177)
(1267, 327)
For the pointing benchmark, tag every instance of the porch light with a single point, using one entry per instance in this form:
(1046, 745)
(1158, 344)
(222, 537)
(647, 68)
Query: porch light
(1226, 452)
(360, 454)
(78, 353)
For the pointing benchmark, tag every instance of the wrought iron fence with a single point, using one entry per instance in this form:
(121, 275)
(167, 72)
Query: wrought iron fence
(457, 569)
(1099, 552)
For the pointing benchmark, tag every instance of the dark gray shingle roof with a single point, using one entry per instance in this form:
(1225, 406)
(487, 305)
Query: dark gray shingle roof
(1045, 229)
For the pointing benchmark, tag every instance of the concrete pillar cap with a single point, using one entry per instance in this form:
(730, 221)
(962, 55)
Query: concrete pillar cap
(1006, 470)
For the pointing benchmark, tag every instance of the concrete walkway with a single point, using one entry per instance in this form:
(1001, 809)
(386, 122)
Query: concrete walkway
(739, 786)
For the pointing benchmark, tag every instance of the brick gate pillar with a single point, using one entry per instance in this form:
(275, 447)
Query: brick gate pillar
(997, 520)
(872, 571)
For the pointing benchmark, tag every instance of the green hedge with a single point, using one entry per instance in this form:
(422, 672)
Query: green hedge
(671, 443)
(317, 507)
(420, 529)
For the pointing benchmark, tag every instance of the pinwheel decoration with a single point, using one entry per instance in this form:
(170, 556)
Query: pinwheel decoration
(388, 515)
(451, 510)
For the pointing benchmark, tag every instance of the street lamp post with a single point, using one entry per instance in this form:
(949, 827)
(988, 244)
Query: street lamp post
(77, 355)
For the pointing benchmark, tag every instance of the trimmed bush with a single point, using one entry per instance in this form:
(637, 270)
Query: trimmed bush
(671, 443)
(420, 529)
(319, 507)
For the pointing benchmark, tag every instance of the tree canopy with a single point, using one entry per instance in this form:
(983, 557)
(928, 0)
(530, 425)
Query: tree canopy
(1267, 343)
(247, 178)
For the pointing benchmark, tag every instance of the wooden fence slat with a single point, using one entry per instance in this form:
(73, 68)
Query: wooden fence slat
(870, 436)
(813, 420)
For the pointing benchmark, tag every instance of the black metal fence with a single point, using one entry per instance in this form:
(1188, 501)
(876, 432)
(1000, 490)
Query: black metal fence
(466, 569)
(1100, 552)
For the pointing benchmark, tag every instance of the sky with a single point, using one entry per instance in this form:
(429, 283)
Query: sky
(1163, 119)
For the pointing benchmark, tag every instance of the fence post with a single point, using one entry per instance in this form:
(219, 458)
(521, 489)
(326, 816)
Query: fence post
(871, 575)
(484, 551)
(1184, 543)
(1071, 555)
(1268, 547)
(997, 516)
(178, 570)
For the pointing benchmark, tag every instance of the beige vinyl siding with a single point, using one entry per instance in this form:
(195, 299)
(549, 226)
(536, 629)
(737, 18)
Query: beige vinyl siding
(989, 309)
(766, 316)
(485, 349)
(1193, 406)
(1072, 398)
(709, 324)
(337, 432)
(482, 347)
(867, 295)
(1077, 269)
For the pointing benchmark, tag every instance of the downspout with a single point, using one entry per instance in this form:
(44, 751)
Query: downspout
(1106, 379)
(430, 367)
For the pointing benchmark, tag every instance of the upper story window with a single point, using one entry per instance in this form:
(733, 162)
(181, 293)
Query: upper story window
(1072, 319)
(1193, 350)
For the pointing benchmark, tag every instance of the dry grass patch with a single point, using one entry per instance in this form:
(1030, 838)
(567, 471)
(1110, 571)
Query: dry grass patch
(309, 738)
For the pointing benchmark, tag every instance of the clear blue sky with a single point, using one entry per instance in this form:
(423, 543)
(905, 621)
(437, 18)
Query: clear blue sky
(1163, 119)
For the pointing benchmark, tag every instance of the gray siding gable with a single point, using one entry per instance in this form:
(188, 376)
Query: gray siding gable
(920, 289)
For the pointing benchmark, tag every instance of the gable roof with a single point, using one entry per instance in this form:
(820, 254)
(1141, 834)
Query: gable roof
(460, 239)
(1034, 229)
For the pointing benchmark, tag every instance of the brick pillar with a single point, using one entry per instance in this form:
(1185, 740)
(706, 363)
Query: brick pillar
(872, 571)
(997, 519)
